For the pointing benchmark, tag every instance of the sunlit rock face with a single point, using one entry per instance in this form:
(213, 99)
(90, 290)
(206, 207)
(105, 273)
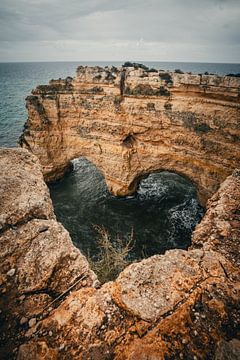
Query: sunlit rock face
(132, 121)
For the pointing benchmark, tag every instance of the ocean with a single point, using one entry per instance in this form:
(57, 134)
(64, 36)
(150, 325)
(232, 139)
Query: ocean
(164, 210)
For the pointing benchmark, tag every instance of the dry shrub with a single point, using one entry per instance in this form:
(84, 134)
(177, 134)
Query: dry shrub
(113, 256)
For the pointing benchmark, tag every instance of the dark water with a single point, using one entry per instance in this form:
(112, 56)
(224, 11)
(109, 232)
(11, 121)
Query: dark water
(163, 212)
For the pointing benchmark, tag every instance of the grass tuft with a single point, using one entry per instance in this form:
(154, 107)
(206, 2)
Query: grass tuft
(113, 256)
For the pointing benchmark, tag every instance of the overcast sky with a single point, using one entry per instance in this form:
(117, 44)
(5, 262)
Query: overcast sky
(139, 30)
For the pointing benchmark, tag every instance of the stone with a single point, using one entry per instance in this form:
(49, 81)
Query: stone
(38, 249)
(23, 321)
(190, 127)
(152, 310)
(32, 322)
(11, 272)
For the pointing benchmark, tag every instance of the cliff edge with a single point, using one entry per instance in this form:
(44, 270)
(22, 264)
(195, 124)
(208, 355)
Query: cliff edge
(132, 121)
(181, 305)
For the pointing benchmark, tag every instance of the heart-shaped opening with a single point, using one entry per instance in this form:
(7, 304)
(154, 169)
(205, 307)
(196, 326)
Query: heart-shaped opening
(161, 215)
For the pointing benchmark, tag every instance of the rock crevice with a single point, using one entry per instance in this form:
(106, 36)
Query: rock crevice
(181, 305)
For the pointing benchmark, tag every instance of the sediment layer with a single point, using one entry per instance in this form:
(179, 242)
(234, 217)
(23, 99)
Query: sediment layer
(133, 121)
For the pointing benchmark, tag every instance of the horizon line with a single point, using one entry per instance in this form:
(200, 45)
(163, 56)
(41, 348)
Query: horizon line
(119, 61)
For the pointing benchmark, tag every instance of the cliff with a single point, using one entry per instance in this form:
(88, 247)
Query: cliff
(132, 121)
(181, 305)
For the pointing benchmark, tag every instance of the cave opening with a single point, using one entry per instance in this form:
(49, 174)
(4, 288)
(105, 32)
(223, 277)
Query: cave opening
(159, 216)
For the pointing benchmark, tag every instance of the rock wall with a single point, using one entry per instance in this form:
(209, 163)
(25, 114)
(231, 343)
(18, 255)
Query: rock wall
(181, 305)
(38, 261)
(133, 121)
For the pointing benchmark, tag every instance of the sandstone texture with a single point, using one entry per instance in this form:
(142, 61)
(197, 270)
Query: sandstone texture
(132, 121)
(181, 305)
(38, 261)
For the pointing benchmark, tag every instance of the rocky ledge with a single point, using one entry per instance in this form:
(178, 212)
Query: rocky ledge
(131, 121)
(181, 305)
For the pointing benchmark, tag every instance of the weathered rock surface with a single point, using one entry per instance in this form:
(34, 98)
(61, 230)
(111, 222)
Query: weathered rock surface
(38, 261)
(130, 122)
(220, 228)
(181, 305)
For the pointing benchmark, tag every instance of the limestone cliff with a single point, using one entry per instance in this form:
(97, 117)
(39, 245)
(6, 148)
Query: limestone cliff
(132, 121)
(37, 259)
(181, 305)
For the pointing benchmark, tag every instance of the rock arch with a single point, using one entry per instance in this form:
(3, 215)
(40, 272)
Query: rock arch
(192, 127)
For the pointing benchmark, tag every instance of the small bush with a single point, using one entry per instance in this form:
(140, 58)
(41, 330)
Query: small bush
(234, 75)
(165, 76)
(113, 256)
(163, 91)
(152, 70)
(150, 106)
(135, 65)
(178, 71)
(168, 106)
(117, 100)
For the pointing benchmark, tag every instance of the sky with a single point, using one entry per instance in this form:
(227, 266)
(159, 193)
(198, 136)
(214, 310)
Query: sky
(120, 30)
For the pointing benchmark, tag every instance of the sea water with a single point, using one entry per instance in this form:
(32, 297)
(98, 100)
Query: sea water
(161, 214)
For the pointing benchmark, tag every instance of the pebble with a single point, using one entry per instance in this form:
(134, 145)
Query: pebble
(167, 297)
(22, 297)
(23, 320)
(84, 282)
(184, 341)
(61, 347)
(11, 272)
(43, 228)
(195, 333)
(32, 322)
(50, 333)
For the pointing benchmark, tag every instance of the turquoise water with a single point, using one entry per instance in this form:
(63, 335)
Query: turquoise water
(164, 210)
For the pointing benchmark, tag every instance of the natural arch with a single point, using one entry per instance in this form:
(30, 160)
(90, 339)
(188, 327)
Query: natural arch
(189, 128)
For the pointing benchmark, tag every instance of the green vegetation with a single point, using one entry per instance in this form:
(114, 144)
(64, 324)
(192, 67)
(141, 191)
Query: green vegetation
(234, 75)
(178, 71)
(135, 65)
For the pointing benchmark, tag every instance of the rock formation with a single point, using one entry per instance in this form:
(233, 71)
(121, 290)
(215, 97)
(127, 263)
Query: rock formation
(132, 121)
(181, 305)
(38, 261)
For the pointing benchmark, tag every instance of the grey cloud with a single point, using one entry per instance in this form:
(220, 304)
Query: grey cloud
(190, 24)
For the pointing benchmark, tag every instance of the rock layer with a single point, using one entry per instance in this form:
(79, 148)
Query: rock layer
(130, 122)
(38, 261)
(181, 305)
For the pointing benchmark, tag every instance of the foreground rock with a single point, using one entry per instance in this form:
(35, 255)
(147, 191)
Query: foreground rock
(38, 261)
(181, 305)
(132, 121)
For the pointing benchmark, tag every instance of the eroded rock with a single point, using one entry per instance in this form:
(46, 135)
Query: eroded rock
(139, 122)
(181, 305)
(38, 261)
